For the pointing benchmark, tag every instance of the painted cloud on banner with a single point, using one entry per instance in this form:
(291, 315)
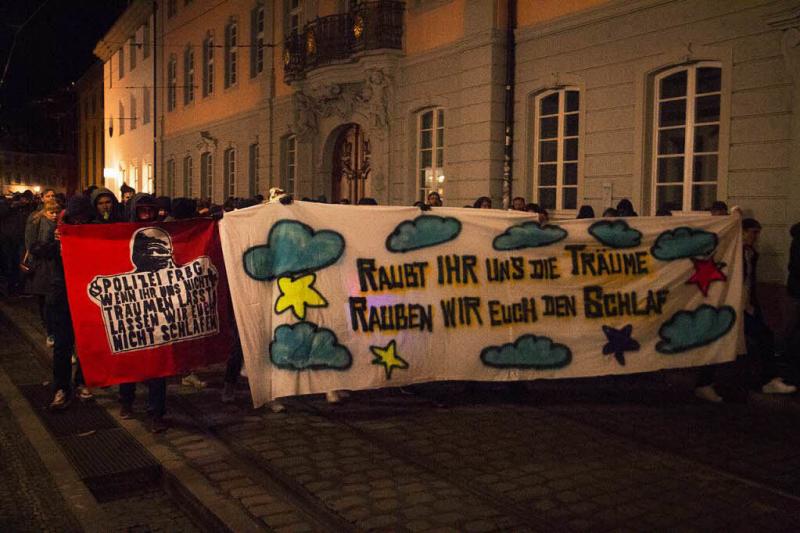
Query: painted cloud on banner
(422, 232)
(528, 235)
(293, 249)
(691, 329)
(528, 351)
(684, 242)
(615, 233)
(306, 346)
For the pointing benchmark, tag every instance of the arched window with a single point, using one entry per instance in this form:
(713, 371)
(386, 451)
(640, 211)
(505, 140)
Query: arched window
(556, 147)
(430, 152)
(686, 125)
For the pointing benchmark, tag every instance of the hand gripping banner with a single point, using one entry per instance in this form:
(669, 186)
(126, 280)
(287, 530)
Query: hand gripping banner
(334, 297)
(147, 300)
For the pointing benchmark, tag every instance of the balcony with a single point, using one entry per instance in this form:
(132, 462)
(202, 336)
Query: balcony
(372, 25)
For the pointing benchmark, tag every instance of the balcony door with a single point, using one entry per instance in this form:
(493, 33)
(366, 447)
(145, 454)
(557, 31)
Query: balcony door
(351, 165)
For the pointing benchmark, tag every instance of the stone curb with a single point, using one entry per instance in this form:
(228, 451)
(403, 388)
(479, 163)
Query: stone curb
(87, 511)
(181, 480)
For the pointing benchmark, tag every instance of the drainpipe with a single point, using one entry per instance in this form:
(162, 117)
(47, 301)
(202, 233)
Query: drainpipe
(271, 101)
(154, 118)
(508, 153)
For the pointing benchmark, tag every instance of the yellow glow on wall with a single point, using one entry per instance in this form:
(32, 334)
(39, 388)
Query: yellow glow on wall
(432, 28)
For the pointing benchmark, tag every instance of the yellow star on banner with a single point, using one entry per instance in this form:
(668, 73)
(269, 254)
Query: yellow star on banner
(298, 294)
(387, 356)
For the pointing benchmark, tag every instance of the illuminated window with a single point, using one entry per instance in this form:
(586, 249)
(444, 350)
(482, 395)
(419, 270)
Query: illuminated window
(430, 152)
(556, 169)
(686, 120)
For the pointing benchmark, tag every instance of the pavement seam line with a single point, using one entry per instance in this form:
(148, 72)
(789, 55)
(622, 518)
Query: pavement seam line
(75, 493)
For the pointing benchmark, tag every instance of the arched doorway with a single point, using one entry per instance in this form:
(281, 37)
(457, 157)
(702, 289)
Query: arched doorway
(351, 168)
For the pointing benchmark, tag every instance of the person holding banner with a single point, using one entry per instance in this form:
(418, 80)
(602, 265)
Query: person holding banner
(153, 257)
(759, 337)
(105, 206)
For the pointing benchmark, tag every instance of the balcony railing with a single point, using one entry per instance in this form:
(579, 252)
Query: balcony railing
(337, 38)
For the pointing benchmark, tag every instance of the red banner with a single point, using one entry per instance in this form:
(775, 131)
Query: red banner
(147, 300)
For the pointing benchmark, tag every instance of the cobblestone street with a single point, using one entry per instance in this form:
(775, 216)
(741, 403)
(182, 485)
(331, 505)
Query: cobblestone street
(626, 453)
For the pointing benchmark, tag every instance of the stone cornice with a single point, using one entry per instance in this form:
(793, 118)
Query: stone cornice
(783, 20)
(125, 26)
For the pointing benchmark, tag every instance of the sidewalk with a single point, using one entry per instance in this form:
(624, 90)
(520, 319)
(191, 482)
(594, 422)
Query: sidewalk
(633, 453)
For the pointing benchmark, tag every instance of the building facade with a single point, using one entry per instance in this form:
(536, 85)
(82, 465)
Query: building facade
(668, 103)
(91, 135)
(128, 56)
(216, 99)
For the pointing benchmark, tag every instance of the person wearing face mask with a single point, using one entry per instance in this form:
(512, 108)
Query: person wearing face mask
(106, 207)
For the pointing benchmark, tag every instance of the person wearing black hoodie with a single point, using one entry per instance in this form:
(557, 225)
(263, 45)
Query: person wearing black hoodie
(79, 211)
(105, 206)
(144, 208)
(793, 286)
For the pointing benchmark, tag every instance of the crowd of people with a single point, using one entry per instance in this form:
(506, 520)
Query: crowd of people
(30, 263)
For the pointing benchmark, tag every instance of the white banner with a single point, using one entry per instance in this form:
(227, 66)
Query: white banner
(332, 297)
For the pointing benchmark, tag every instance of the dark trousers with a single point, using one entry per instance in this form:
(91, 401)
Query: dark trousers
(156, 397)
(761, 345)
(235, 360)
(61, 323)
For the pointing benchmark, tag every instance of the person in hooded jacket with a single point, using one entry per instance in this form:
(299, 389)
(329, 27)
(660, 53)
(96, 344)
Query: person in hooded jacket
(39, 234)
(105, 206)
(144, 208)
(79, 211)
(793, 286)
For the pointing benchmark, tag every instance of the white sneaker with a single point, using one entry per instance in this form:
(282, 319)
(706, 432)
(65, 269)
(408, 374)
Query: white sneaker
(60, 401)
(85, 394)
(51, 341)
(777, 386)
(277, 407)
(193, 381)
(708, 394)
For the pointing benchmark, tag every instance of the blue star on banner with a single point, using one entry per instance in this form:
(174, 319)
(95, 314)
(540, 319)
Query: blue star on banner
(619, 342)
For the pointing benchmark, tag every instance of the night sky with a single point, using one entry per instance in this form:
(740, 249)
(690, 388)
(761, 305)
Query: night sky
(52, 50)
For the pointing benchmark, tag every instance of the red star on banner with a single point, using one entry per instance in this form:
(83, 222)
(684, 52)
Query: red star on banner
(705, 272)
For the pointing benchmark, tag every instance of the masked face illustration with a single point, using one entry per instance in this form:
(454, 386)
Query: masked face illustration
(151, 250)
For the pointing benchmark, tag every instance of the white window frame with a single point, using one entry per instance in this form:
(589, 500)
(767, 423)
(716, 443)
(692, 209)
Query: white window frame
(560, 139)
(231, 54)
(172, 80)
(121, 118)
(208, 66)
(437, 171)
(133, 112)
(229, 162)
(188, 176)
(188, 75)
(289, 177)
(207, 168)
(689, 134)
